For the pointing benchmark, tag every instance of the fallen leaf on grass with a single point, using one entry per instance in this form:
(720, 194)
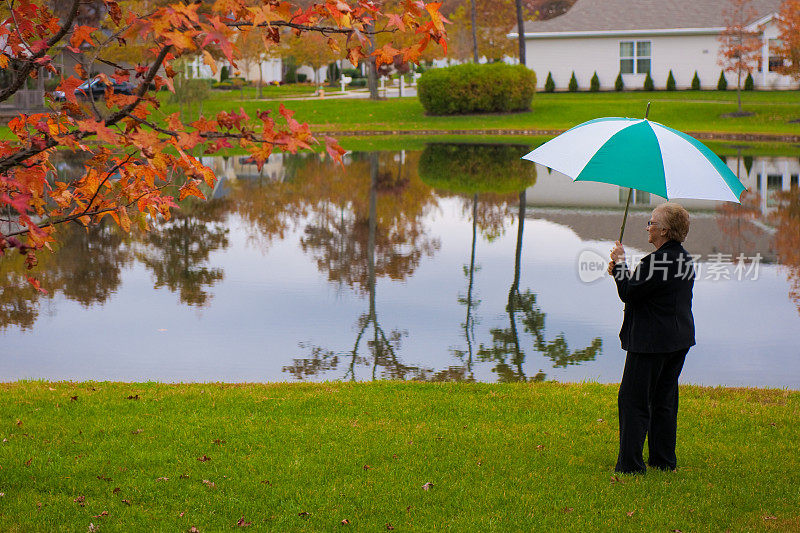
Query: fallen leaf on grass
(28, 462)
(600, 420)
(126, 502)
(395, 456)
(241, 523)
(367, 467)
(616, 479)
(74, 398)
(92, 527)
(303, 514)
(162, 479)
(50, 388)
(676, 531)
(19, 423)
(266, 482)
(116, 490)
(567, 509)
(770, 517)
(133, 397)
(103, 478)
(218, 442)
(184, 476)
(630, 513)
(101, 515)
(80, 500)
(427, 486)
(389, 527)
(345, 522)
(204, 458)
(209, 484)
(136, 431)
(194, 530)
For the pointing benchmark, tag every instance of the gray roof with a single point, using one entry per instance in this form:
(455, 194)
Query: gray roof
(624, 15)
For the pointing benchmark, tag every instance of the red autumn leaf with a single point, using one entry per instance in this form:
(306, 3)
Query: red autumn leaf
(355, 55)
(334, 150)
(80, 35)
(35, 284)
(396, 21)
(68, 86)
(242, 523)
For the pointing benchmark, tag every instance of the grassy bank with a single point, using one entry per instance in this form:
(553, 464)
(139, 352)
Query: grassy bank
(686, 110)
(140, 457)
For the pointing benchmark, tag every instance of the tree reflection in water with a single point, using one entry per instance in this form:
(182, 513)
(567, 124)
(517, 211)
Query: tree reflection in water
(86, 267)
(787, 238)
(375, 230)
(177, 250)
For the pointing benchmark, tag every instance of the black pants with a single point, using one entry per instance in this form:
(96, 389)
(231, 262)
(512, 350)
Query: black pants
(648, 405)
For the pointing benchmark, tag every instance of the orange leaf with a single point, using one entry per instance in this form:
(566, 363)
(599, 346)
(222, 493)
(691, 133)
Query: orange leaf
(190, 189)
(68, 86)
(436, 18)
(355, 55)
(104, 133)
(385, 55)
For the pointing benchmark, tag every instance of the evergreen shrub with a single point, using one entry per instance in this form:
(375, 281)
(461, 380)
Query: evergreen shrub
(670, 82)
(471, 88)
(749, 84)
(619, 85)
(696, 82)
(648, 83)
(573, 83)
(722, 83)
(549, 84)
(594, 84)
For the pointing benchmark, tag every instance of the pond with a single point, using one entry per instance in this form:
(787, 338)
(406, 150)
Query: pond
(456, 262)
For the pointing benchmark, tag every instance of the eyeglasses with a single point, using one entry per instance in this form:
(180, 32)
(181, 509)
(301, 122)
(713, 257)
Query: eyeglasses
(651, 223)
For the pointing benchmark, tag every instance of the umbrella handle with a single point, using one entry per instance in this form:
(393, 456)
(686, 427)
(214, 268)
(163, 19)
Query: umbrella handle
(627, 205)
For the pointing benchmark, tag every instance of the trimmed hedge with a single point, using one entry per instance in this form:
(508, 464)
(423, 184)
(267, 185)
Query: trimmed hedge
(670, 82)
(696, 82)
(549, 84)
(749, 84)
(471, 88)
(722, 83)
(619, 85)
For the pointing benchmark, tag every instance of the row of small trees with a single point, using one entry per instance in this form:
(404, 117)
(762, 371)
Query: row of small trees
(619, 84)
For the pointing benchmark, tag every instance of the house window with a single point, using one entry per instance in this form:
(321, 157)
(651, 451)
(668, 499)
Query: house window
(634, 57)
(775, 61)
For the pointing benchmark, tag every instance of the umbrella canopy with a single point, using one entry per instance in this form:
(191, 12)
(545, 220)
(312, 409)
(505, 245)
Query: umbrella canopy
(640, 154)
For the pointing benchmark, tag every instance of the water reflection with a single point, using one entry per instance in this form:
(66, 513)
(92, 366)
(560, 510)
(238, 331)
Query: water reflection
(176, 251)
(436, 223)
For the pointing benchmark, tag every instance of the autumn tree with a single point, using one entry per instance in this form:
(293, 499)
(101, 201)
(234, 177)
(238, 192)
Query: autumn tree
(135, 152)
(740, 47)
(315, 50)
(788, 46)
(487, 39)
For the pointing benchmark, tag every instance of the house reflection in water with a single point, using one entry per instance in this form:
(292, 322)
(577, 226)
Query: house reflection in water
(594, 210)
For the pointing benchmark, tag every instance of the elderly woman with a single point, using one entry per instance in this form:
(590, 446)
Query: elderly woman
(657, 332)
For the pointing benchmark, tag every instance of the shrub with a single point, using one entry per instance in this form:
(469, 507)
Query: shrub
(696, 82)
(722, 83)
(648, 83)
(594, 84)
(223, 74)
(573, 83)
(749, 85)
(358, 82)
(223, 85)
(352, 73)
(670, 82)
(549, 85)
(619, 84)
(471, 88)
(301, 78)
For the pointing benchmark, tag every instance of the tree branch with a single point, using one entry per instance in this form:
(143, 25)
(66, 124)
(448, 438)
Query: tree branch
(22, 74)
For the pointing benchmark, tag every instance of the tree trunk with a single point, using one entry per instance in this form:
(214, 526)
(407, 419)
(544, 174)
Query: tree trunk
(260, 80)
(739, 89)
(521, 32)
(474, 34)
(372, 70)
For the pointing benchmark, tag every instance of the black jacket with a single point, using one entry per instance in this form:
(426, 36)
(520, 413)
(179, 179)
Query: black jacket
(658, 301)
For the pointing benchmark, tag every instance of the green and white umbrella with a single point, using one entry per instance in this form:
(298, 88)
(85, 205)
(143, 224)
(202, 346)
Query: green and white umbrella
(640, 154)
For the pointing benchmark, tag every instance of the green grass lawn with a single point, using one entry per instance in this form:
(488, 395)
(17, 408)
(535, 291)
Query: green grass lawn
(306, 457)
(699, 111)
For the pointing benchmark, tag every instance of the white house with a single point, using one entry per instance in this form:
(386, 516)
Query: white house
(618, 36)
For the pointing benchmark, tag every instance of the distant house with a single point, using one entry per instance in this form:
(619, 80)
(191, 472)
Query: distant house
(632, 38)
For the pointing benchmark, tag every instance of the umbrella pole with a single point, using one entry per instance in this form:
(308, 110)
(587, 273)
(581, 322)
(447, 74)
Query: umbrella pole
(630, 191)
(624, 218)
